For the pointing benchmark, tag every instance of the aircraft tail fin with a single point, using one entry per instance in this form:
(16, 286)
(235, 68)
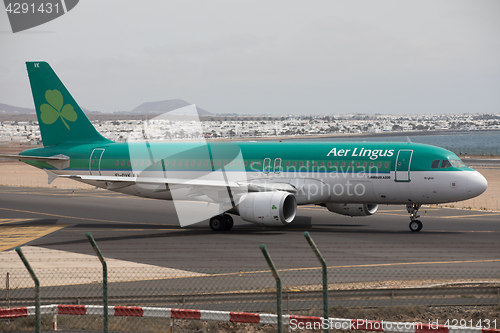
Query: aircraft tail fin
(60, 118)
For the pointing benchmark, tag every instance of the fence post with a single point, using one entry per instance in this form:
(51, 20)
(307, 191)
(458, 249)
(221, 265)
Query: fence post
(325, 276)
(38, 320)
(7, 289)
(54, 321)
(104, 281)
(279, 298)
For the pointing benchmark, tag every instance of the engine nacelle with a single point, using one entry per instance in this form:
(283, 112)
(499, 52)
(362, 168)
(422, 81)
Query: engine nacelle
(352, 209)
(268, 208)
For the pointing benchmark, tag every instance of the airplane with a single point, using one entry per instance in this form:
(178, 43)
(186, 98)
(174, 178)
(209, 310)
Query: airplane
(262, 182)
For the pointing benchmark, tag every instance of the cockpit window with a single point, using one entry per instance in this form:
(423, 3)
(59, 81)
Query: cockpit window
(458, 163)
(435, 164)
(445, 164)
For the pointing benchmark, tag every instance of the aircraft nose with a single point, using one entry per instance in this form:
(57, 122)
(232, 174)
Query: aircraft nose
(476, 184)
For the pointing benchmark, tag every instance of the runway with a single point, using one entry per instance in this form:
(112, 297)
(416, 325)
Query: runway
(151, 257)
(147, 231)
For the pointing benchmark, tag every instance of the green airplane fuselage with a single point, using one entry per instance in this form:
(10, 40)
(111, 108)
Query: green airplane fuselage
(387, 170)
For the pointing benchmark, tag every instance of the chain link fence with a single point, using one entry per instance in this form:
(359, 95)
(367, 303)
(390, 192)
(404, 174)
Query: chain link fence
(384, 292)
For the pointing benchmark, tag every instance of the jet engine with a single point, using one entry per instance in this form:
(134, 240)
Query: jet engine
(268, 208)
(352, 209)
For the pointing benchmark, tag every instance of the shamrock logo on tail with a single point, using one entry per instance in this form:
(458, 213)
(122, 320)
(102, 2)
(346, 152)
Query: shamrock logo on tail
(50, 113)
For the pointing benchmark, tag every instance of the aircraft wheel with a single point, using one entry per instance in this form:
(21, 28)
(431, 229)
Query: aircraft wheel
(229, 221)
(415, 225)
(218, 223)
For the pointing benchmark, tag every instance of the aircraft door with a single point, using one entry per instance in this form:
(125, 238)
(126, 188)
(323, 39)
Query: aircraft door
(95, 162)
(277, 166)
(267, 166)
(403, 162)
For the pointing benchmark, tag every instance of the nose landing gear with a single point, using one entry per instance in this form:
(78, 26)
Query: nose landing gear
(415, 225)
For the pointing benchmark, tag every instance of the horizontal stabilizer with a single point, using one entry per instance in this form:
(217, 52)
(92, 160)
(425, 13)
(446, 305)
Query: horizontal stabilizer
(57, 161)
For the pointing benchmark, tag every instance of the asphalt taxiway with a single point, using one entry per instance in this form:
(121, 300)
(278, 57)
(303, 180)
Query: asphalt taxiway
(147, 231)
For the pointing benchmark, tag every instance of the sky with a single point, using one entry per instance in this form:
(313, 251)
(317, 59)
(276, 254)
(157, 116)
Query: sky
(267, 57)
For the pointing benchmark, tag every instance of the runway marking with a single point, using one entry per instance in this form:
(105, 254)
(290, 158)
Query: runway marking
(77, 195)
(12, 236)
(465, 231)
(154, 229)
(342, 266)
(445, 217)
(72, 217)
(472, 215)
(7, 221)
(374, 265)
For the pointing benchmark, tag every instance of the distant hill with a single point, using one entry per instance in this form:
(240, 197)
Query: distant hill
(10, 109)
(144, 108)
(165, 106)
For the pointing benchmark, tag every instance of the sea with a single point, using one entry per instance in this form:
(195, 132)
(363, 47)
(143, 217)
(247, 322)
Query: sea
(461, 143)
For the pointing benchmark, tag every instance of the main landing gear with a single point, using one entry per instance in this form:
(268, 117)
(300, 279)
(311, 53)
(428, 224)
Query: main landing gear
(221, 222)
(415, 225)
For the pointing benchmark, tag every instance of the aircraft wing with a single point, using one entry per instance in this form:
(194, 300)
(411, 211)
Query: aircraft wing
(153, 181)
(114, 182)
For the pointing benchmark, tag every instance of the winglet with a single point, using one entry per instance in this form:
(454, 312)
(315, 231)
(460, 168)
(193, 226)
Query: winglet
(51, 175)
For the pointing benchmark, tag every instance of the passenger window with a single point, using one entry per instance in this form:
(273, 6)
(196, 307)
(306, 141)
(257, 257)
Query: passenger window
(435, 164)
(445, 164)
